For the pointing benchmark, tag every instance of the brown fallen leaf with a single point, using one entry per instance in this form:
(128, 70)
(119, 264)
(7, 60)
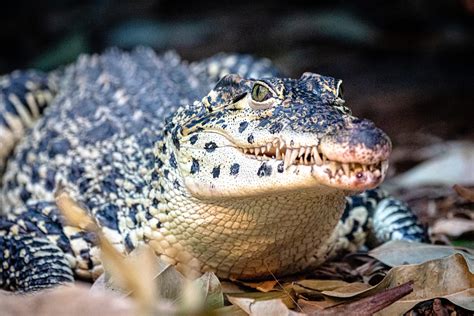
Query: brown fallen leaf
(399, 252)
(453, 227)
(312, 290)
(364, 306)
(464, 192)
(288, 298)
(263, 307)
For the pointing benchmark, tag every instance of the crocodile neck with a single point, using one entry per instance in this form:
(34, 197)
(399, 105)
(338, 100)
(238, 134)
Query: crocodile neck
(245, 237)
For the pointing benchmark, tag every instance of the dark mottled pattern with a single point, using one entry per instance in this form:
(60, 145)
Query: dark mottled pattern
(264, 170)
(96, 139)
(234, 169)
(216, 171)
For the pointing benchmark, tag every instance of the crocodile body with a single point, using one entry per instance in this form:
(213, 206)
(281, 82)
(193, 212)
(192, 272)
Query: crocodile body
(244, 177)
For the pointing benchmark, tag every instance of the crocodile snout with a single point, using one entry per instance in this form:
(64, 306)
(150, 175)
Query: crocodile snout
(359, 141)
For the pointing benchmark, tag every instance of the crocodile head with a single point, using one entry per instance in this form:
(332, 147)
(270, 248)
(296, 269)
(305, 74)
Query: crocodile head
(250, 137)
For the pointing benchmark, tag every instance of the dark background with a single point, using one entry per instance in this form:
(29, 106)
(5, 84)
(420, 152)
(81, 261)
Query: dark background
(408, 65)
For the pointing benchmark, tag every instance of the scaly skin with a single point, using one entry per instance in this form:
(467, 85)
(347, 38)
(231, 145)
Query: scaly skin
(246, 180)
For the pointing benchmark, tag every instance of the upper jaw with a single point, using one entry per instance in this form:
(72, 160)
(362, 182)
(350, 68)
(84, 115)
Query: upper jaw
(355, 168)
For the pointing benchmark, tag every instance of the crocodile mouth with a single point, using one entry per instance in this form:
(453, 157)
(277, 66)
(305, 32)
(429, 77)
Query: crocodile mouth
(349, 175)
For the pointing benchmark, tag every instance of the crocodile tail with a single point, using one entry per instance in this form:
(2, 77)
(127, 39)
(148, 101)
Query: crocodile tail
(30, 263)
(393, 219)
(372, 218)
(23, 97)
(246, 66)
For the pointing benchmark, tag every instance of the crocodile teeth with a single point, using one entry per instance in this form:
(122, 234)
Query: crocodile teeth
(277, 155)
(316, 157)
(345, 168)
(301, 151)
(307, 154)
(311, 155)
(333, 166)
(294, 155)
(288, 155)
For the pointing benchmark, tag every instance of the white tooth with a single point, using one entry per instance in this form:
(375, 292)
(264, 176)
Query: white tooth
(333, 166)
(263, 149)
(251, 150)
(316, 157)
(287, 157)
(294, 155)
(282, 144)
(346, 168)
(307, 153)
(364, 167)
(244, 150)
(301, 152)
(278, 156)
(269, 146)
(257, 150)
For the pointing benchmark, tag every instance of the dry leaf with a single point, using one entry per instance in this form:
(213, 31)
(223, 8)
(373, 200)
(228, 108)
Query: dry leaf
(466, 193)
(452, 167)
(204, 293)
(286, 297)
(453, 227)
(365, 306)
(262, 307)
(229, 287)
(449, 277)
(232, 310)
(398, 252)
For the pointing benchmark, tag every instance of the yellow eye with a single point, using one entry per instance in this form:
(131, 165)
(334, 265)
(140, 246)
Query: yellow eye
(260, 93)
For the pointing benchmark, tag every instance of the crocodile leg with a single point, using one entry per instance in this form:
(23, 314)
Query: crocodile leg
(39, 250)
(23, 97)
(31, 263)
(372, 218)
(246, 66)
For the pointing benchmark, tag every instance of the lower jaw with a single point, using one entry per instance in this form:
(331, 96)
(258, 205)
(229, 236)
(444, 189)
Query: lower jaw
(363, 180)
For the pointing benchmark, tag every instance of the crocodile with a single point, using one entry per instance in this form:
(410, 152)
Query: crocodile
(220, 165)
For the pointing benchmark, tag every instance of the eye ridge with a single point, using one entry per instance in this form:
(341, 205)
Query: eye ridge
(260, 93)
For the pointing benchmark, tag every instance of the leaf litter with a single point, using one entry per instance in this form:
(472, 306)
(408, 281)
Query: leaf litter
(394, 279)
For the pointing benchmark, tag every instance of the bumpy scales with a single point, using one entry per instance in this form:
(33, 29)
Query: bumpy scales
(245, 176)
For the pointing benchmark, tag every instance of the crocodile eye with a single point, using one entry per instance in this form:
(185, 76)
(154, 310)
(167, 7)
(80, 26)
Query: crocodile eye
(260, 93)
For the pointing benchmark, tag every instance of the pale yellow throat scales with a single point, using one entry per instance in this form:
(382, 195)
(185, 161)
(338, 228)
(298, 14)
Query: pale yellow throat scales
(248, 237)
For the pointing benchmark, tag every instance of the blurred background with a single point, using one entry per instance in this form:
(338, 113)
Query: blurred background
(407, 65)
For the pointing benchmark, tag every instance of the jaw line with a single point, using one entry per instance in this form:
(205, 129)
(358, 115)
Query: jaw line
(348, 176)
(324, 172)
